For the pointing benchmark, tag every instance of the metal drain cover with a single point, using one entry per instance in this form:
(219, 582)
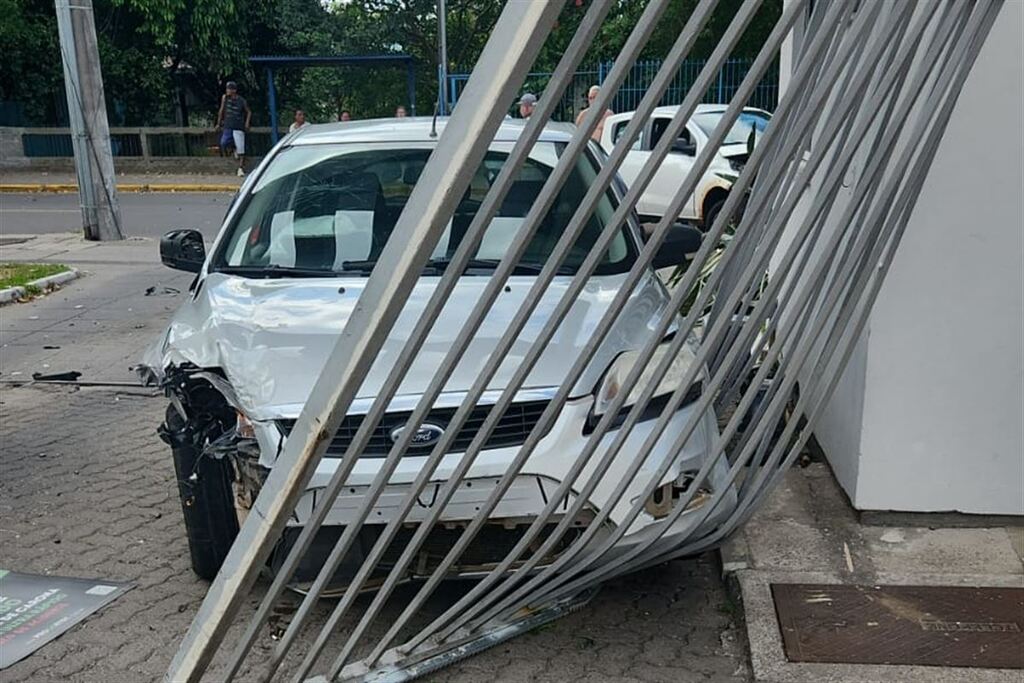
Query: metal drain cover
(923, 625)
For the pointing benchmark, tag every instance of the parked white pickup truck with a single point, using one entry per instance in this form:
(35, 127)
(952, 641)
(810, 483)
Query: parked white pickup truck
(704, 204)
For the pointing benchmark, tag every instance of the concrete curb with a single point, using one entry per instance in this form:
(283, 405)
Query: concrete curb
(59, 188)
(12, 294)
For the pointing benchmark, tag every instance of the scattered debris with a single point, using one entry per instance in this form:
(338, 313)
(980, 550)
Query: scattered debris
(70, 376)
(169, 291)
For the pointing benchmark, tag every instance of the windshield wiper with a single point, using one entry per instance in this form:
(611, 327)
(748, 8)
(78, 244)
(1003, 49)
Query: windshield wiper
(521, 267)
(359, 266)
(274, 271)
(442, 263)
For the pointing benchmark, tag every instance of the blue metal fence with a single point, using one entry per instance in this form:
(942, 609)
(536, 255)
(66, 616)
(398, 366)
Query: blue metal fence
(765, 96)
(142, 142)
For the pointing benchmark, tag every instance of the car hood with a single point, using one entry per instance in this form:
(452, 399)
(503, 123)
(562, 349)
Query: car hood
(272, 337)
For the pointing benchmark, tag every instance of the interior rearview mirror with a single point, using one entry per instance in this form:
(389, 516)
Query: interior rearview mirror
(183, 250)
(681, 243)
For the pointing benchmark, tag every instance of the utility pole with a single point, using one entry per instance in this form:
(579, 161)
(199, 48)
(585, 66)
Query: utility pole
(442, 58)
(87, 111)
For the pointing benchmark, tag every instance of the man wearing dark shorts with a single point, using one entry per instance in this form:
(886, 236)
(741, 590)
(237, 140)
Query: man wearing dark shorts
(233, 118)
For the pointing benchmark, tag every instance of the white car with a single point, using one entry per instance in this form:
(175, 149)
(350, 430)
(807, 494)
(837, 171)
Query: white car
(704, 204)
(241, 355)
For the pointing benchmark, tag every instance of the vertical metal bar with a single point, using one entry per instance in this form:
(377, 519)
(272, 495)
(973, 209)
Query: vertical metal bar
(442, 57)
(272, 103)
(523, 26)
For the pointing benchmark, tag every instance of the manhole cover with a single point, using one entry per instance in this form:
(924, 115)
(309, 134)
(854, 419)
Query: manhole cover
(923, 625)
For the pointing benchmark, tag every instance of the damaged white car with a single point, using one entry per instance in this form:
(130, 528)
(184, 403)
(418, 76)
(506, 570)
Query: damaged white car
(270, 299)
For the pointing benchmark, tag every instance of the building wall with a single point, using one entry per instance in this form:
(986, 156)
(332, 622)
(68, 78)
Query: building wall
(940, 377)
(944, 407)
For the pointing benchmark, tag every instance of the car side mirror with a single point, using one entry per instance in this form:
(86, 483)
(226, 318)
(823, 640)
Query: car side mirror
(681, 243)
(684, 147)
(183, 250)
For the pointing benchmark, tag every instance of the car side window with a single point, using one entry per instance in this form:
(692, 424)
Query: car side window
(617, 132)
(658, 126)
(685, 140)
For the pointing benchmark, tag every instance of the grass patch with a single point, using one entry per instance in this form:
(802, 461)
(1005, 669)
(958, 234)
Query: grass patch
(20, 274)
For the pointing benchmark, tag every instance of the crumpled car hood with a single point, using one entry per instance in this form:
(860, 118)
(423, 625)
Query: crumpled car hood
(272, 337)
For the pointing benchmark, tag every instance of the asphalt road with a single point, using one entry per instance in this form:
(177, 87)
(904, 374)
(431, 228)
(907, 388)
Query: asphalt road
(143, 214)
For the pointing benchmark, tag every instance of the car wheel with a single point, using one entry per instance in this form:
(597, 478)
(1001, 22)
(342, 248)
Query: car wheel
(207, 498)
(712, 214)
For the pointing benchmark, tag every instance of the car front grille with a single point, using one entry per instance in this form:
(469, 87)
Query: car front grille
(511, 430)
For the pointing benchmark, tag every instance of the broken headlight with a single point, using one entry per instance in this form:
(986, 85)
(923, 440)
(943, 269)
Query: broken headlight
(612, 384)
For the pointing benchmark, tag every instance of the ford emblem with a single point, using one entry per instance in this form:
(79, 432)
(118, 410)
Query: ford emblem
(425, 435)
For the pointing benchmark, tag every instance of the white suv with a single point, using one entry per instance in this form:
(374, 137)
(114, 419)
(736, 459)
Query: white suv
(704, 204)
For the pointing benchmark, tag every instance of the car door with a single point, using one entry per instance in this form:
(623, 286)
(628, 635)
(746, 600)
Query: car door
(666, 181)
(671, 174)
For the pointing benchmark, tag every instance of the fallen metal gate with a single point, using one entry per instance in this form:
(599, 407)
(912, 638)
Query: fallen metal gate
(744, 352)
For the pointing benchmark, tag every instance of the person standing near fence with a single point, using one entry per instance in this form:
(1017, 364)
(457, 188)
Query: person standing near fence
(526, 104)
(234, 118)
(591, 96)
(299, 122)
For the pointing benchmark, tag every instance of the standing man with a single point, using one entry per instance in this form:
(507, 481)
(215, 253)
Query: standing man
(234, 118)
(526, 104)
(591, 96)
(299, 122)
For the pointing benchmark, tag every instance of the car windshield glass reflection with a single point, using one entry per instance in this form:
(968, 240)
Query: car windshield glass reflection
(740, 132)
(330, 209)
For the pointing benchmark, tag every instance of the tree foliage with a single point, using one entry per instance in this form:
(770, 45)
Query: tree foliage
(166, 58)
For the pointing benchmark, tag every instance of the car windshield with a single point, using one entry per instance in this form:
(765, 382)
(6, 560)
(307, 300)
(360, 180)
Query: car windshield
(740, 133)
(327, 209)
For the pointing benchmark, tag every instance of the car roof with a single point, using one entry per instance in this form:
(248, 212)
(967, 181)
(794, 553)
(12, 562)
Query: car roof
(413, 129)
(704, 109)
(671, 109)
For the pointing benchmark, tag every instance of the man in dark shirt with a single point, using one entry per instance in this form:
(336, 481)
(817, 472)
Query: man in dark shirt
(233, 118)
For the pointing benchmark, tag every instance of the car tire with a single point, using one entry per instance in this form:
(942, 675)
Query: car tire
(207, 498)
(711, 214)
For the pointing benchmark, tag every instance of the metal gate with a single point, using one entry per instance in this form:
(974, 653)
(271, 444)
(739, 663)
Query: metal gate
(738, 358)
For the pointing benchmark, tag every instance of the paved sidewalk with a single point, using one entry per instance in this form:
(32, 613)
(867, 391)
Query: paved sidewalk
(808, 533)
(87, 489)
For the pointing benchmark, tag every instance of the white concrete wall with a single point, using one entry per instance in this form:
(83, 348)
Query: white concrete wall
(929, 414)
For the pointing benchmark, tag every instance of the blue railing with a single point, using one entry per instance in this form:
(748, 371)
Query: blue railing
(732, 73)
